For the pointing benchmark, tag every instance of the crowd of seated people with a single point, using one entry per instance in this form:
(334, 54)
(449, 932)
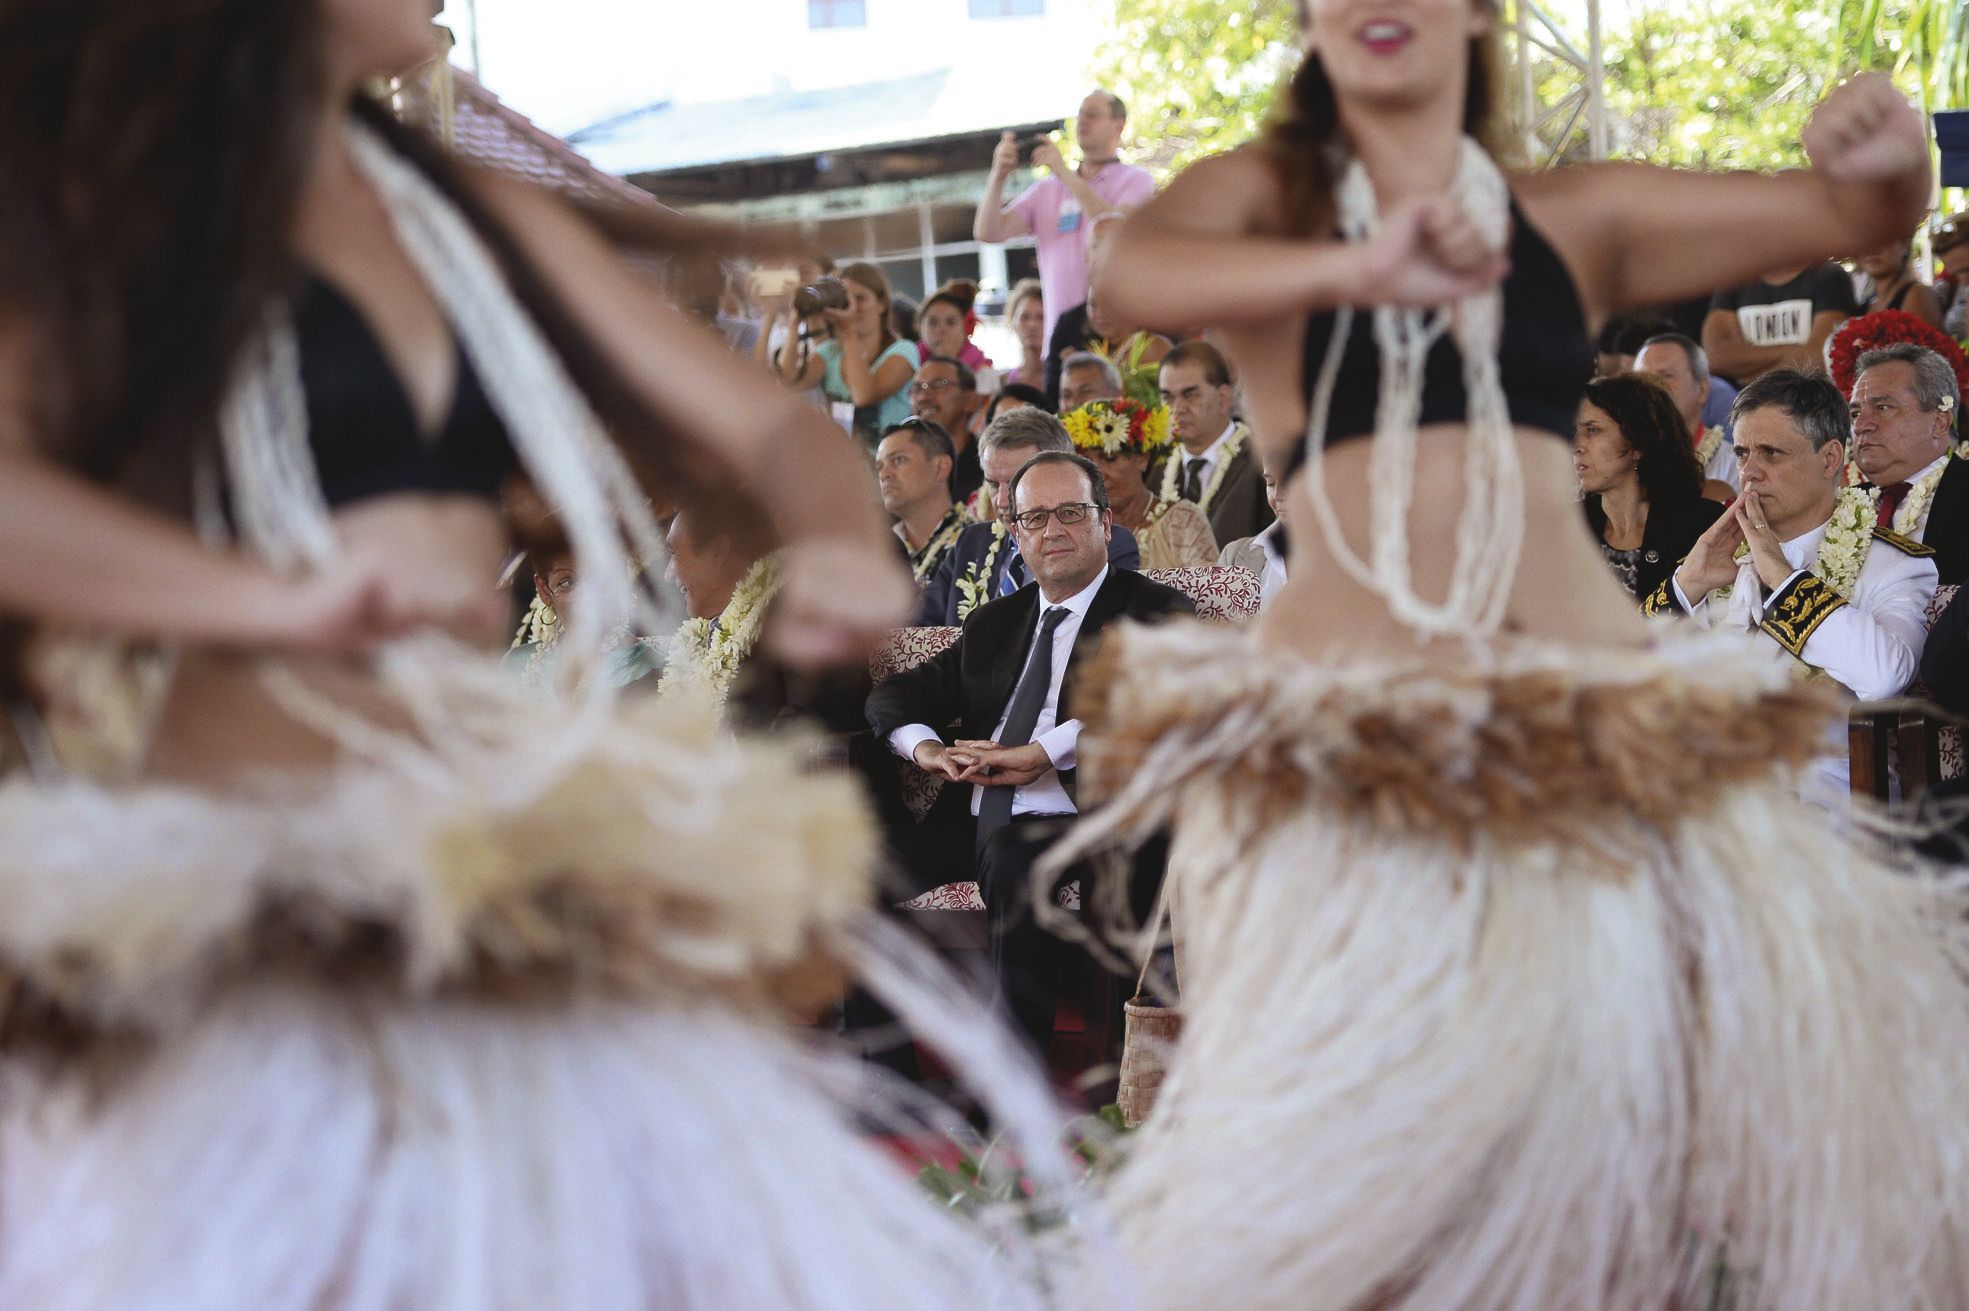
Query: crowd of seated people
(1726, 478)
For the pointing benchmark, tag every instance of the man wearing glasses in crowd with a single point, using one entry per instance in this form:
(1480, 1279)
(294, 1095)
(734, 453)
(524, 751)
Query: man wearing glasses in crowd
(945, 392)
(1008, 683)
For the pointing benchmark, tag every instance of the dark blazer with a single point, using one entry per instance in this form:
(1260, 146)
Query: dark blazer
(1241, 509)
(940, 594)
(1947, 533)
(1945, 657)
(1672, 529)
(971, 682)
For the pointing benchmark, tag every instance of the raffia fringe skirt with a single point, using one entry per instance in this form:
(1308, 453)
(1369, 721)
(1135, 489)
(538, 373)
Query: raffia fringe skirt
(1530, 987)
(422, 1037)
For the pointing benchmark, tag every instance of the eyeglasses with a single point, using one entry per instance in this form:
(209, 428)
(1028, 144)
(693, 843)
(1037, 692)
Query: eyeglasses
(1071, 513)
(935, 384)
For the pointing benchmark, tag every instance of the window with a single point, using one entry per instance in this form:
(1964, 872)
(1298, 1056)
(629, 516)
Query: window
(837, 13)
(1007, 8)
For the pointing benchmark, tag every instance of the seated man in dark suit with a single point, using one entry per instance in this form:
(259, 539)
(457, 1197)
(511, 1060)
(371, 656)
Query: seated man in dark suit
(985, 563)
(1214, 464)
(1007, 682)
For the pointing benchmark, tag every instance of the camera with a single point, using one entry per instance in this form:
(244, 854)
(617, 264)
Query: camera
(825, 294)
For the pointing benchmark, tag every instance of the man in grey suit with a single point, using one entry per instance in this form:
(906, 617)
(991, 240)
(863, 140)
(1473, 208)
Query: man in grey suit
(1215, 465)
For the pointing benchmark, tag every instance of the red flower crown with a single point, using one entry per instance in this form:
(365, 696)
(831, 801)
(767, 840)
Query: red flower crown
(1867, 332)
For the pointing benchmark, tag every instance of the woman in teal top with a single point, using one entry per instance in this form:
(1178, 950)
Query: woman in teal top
(862, 363)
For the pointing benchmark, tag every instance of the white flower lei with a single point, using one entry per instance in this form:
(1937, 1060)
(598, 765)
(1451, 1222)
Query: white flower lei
(1171, 470)
(972, 587)
(1920, 495)
(940, 541)
(1848, 537)
(1712, 441)
(705, 655)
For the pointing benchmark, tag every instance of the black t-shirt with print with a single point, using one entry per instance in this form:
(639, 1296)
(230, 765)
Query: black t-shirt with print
(1781, 314)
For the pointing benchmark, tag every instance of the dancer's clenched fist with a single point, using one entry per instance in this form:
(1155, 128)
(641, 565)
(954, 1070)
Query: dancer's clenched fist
(1866, 131)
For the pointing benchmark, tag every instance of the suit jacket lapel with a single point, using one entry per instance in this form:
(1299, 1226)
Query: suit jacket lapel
(1948, 514)
(1021, 622)
(1108, 605)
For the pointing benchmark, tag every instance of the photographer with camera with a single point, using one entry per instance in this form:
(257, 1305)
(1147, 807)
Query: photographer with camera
(859, 362)
(1058, 208)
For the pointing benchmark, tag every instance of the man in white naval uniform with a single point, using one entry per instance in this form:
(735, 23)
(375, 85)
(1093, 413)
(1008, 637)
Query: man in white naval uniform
(1905, 402)
(1820, 585)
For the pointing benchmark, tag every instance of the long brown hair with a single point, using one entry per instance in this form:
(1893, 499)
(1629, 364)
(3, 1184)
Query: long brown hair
(154, 155)
(1303, 130)
(874, 281)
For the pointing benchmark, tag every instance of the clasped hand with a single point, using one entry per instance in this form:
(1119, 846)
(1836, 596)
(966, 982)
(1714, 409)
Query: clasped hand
(973, 761)
(1712, 563)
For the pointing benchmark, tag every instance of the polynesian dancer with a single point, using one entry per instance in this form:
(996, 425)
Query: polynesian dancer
(351, 975)
(1513, 974)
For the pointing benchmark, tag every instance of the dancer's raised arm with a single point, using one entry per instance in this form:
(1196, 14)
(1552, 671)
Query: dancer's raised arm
(1641, 235)
(843, 586)
(1210, 249)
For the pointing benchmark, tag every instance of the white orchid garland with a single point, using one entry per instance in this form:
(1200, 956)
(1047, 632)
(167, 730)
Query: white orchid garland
(923, 563)
(1172, 470)
(1712, 441)
(1848, 537)
(975, 586)
(706, 654)
(1920, 495)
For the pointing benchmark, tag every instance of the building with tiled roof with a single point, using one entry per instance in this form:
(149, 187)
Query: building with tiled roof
(458, 108)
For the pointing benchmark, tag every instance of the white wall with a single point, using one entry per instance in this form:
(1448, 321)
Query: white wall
(569, 63)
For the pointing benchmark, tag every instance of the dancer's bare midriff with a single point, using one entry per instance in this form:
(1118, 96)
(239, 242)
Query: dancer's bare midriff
(220, 725)
(1562, 590)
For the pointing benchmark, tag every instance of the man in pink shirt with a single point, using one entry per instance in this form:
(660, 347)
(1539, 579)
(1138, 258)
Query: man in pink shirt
(1058, 208)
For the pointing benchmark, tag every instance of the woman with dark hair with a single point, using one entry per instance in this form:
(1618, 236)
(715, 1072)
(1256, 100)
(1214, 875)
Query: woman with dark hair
(1638, 472)
(1496, 908)
(340, 972)
(945, 322)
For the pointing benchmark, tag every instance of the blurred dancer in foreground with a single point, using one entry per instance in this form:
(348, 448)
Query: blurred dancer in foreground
(338, 972)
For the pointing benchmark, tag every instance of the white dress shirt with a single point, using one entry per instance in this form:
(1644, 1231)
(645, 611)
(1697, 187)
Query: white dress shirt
(1722, 466)
(1919, 531)
(1045, 795)
(1211, 454)
(1871, 645)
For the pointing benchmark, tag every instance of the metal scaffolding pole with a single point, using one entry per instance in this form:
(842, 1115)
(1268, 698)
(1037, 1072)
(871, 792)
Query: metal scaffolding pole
(1550, 126)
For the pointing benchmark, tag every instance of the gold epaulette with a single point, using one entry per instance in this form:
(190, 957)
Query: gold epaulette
(1905, 545)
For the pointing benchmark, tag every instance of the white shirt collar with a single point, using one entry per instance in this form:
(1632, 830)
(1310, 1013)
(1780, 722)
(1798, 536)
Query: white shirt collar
(1215, 451)
(1801, 551)
(1267, 541)
(1080, 602)
(1929, 467)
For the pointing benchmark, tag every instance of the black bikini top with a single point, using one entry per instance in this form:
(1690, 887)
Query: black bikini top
(362, 425)
(1545, 356)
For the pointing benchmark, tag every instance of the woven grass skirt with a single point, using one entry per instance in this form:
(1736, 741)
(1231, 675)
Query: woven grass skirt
(1529, 986)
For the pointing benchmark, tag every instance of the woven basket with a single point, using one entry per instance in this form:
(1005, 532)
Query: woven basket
(1148, 1038)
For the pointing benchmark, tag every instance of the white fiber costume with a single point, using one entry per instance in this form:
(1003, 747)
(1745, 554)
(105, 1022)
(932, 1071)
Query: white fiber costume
(491, 1017)
(1529, 985)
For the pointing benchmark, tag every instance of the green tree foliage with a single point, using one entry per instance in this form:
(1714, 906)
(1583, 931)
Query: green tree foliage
(1730, 83)
(1705, 83)
(1197, 74)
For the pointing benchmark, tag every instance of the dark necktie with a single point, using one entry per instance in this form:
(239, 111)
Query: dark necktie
(1193, 479)
(1891, 497)
(1021, 717)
